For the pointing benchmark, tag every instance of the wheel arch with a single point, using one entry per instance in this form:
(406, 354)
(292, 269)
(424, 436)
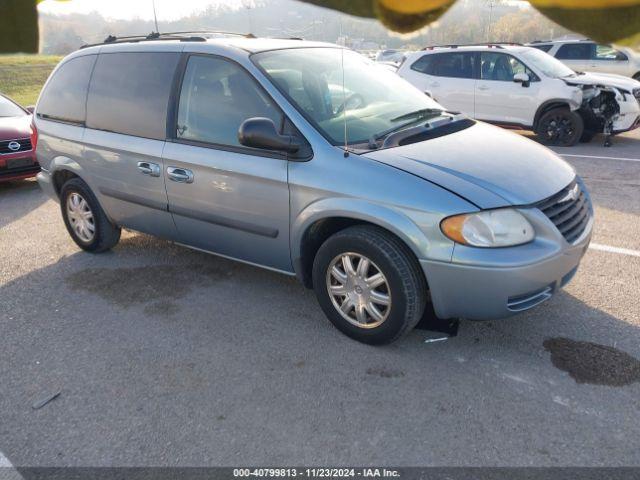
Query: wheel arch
(327, 217)
(62, 169)
(547, 106)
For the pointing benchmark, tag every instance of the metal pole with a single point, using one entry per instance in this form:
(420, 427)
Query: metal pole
(155, 17)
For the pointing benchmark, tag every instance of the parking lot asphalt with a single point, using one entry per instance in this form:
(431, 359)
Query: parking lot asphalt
(166, 356)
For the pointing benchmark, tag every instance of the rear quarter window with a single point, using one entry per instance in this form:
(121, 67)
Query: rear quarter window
(424, 64)
(129, 93)
(65, 96)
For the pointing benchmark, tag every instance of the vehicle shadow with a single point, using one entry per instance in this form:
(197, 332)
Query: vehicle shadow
(157, 335)
(19, 198)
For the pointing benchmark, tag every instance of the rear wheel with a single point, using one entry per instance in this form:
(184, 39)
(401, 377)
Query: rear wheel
(560, 127)
(85, 220)
(369, 285)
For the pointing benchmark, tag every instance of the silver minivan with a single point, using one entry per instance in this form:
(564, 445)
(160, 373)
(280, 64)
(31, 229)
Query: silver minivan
(311, 160)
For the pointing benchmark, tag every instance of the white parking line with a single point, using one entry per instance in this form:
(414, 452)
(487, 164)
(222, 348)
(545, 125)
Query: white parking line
(621, 251)
(621, 159)
(8, 471)
(4, 462)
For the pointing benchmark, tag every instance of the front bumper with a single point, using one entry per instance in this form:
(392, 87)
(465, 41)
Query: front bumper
(17, 167)
(629, 118)
(486, 284)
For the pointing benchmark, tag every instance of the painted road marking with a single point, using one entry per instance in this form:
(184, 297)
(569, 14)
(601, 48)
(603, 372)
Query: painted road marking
(621, 251)
(621, 159)
(7, 470)
(4, 463)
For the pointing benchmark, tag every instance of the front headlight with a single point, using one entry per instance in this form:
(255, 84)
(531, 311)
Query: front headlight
(492, 228)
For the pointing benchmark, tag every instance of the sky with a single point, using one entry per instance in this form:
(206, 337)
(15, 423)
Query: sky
(127, 9)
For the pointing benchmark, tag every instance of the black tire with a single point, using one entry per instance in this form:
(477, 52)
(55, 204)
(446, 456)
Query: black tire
(106, 235)
(587, 136)
(405, 282)
(637, 76)
(560, 127)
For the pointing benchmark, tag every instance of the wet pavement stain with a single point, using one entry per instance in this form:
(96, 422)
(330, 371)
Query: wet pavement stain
(592, 363)
(154, 286)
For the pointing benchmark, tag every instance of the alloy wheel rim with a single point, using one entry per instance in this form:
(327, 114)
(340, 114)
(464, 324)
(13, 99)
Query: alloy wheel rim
(359, 290)
(560, 129)
(81, 217)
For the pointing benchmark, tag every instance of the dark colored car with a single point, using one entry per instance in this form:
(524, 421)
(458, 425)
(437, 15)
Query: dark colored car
(17, 142)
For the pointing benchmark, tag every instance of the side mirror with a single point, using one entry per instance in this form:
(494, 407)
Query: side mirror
(522, 78)
(621, 57)
(261, 133)
(30, 109)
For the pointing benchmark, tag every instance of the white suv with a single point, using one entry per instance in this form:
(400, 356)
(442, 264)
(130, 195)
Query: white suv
(522, 87)
(587, 55)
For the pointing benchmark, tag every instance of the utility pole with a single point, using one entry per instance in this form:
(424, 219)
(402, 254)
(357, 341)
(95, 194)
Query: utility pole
(248, 5)
(490, 20)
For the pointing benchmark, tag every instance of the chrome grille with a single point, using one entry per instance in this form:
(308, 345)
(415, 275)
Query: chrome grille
(569, 210)
(24, 145)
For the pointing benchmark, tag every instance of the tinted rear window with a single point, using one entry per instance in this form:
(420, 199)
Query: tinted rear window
(575, 51)
(424, 64)
(453, 65)
(129, 93)
(65, 96)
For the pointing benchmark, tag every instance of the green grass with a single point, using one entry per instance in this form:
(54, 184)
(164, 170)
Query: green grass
(22, 76)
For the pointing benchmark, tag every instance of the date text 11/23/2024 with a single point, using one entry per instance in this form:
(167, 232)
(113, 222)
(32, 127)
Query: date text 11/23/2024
(316, 472)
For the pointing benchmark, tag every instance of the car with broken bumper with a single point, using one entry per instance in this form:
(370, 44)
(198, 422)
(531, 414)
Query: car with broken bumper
(521, 87)
(307, 159)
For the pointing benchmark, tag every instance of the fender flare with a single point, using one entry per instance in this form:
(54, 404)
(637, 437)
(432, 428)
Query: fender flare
(357, 209)
(549, 104)
(65, 164)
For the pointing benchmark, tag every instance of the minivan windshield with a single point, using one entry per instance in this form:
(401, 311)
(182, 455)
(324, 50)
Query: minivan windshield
(10, 109)
(547, 64)
(374, 100)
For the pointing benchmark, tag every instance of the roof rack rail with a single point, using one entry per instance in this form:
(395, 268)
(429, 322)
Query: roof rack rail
(482, 44)
(191, 36)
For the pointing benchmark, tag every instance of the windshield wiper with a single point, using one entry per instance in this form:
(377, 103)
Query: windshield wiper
(416, 117)
(419, 114)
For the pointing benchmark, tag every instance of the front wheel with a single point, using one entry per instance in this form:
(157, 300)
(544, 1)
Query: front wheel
(369, 284)
(560, 127)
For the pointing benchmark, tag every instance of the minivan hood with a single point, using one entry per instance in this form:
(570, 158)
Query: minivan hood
(486, 165)
(605, 79)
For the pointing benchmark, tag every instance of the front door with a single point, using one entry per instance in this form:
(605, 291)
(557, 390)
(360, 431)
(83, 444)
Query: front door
(226, 198)
(498, 98)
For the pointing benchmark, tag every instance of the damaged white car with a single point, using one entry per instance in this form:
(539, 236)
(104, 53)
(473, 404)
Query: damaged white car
(524, 88)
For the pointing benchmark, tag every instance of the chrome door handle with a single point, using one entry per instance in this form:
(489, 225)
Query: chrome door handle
(434, 84)
(180, 175)
(483, 87)
(148, 168)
